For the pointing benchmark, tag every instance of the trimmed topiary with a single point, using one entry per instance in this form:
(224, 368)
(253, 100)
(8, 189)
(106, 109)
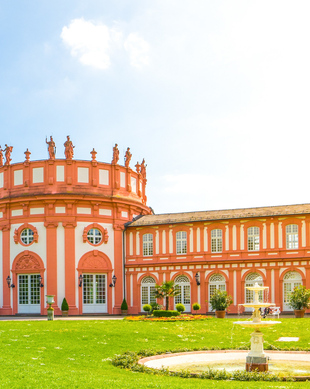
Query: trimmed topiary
(124, 306)
(64, 305)
(165, 313)
(196, 307)
(147, 308)
(180, 308)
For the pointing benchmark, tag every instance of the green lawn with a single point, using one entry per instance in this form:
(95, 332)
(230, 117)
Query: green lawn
(75, 354)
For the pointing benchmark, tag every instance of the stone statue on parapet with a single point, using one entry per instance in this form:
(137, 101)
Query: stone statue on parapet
(143, 169)
(115, 154)
(8, 151)
(128, 156)
(51, 147)
(1, 156)
(138, 167)
(68, 148)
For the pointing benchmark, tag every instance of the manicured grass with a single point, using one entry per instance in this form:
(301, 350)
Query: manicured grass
(76, 354)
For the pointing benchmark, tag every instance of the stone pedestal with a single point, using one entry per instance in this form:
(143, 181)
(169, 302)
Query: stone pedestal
(256, 358)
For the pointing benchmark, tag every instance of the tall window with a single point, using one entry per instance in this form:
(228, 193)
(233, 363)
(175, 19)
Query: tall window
(184, 287)
(216, 241)
(147, 291)
(147, 245)
(292, 236)
(250, 280)
(290, 281)
(253, 239)
(181, 239)
(216, 282)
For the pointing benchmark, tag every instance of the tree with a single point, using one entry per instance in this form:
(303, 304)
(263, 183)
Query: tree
(165, 290)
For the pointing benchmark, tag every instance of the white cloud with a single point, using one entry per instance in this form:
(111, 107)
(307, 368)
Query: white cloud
(94, 44)
(89, 42)
(138, 50)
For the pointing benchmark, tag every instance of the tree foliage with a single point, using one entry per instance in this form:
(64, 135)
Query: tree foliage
(165, 290)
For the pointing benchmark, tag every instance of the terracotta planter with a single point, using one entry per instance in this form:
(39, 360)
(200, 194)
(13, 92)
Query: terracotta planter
(220, 314)
(299, 313)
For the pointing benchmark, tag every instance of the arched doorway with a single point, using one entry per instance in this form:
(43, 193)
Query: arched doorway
(28, 270)
(147, 291)
(184, 287)
(95, 268)
(216, 282)
(250, 280)
(291, 279)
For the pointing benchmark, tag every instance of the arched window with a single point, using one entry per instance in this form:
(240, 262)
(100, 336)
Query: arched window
(253, 239)
(184, 287)
(292, 236)
(147, 291)
(291, 279)
(216, 241)
(250, 281)
(181, 241)
(147, 245)
(216, 282)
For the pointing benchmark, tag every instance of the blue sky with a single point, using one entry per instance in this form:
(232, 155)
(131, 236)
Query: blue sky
(213, 94)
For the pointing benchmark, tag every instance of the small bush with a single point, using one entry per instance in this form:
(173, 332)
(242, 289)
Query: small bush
(147, 308)
(180, 308)
(124, 306)
(196, 307)
(156, 307)
(165, 313)
(64, 305)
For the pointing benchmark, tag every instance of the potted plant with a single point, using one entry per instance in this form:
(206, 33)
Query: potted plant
(64, 307)
(196, 307)
(299, 300)
(124, 307)
(220, 301)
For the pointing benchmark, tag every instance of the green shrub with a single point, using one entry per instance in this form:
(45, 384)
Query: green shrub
(64, 305)
(196, 307)
(180, 308)
(165, 313)
(156, 307)
(147, 308)
(124, 306)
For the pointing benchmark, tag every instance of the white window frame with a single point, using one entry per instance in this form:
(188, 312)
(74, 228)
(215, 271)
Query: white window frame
(253, 239)
(181, 242)
(147, 291)
(148, 247)
(216, 240)
(94, 236)
(291, 236)
(27, 236)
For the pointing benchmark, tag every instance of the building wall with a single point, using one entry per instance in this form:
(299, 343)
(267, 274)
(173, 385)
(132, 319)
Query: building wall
(234, 262)
(60, 200)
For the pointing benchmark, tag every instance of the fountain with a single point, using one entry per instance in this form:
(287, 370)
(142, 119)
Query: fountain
(256, 358)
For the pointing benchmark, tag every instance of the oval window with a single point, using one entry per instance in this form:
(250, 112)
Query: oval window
(94, 236)
(27, 236)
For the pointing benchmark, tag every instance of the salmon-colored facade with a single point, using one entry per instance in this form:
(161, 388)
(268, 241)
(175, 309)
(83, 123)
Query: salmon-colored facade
(82, 230)
(61, 232)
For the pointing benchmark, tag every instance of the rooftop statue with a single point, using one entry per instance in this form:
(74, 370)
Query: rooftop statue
(138, 167)
(68, 148)
(8, 151)
(1, 156)
(143, 169)
(51, 147)
(128, 156)
(115, 154)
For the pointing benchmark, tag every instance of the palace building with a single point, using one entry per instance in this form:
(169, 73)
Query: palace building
(82, 230)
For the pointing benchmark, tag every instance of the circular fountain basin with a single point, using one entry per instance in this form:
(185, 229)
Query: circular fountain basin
(294, 364)
(258, 325)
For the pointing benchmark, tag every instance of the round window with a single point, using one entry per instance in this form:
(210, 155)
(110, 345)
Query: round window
(27, 236)
(94, 236)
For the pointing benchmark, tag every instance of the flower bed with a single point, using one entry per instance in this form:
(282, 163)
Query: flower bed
(183, 317)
